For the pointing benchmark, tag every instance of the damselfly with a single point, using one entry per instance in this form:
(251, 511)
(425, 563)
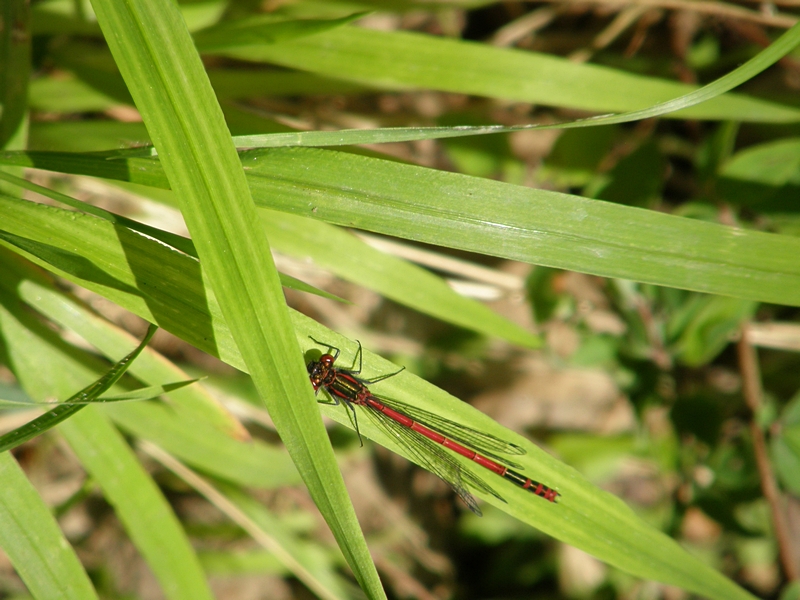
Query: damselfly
(422, 433)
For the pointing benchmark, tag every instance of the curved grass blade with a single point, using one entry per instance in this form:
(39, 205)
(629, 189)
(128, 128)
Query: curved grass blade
(346, 137)
(403, 60)
(74, 403)
(147, 393)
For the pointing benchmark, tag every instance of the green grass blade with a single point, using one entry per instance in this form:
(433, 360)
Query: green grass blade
(529, 225)
(320, 568)
(98, 85)
(764, 59)
(402, 60)
(45, 296)
(155, 54)
(347, 257)
(147, 393)
(252, 464)
(325, 138)
(32, 540)
(39, 425)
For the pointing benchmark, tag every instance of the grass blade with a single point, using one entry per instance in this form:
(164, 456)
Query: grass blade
(402, 60)
(30, 536)
(155, 54)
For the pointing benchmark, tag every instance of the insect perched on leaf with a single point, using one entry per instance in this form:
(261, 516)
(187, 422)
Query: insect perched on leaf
(424, 435)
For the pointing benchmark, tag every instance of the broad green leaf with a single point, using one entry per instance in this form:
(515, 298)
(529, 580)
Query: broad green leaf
(785, 445)
(33, 542)
(404, 60)
(708, 327)
(774, 163)
(128, 266)
(497, 219)
(786, 454)
(155, 54)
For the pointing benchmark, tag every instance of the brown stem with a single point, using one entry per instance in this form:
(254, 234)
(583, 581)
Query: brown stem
(751, 387)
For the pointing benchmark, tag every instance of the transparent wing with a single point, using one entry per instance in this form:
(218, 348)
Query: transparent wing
(483, 443)
(434, 458)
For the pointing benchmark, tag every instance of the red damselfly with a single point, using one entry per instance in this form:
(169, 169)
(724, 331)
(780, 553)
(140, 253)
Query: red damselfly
(422, 433)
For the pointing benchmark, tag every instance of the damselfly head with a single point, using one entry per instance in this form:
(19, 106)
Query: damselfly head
(321, 372)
